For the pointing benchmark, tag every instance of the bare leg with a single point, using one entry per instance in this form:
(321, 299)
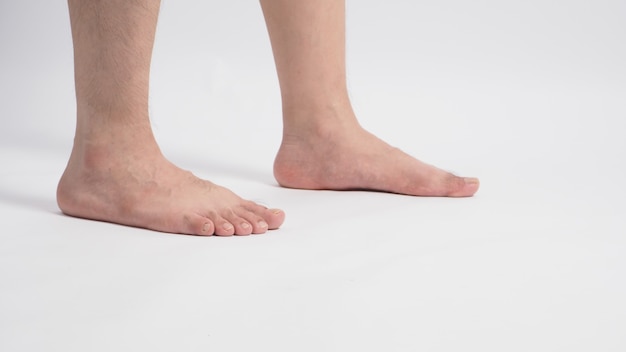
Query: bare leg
(116, 171)
(323, 146)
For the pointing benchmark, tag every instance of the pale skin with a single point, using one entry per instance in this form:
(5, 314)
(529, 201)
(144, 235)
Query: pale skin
(117, 173)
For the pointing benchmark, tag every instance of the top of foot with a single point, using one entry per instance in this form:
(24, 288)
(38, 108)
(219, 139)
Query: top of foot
(150, 192)
(354, 159)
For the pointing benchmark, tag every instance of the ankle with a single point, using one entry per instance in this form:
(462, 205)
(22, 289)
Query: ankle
(108, 149)
(318, 122)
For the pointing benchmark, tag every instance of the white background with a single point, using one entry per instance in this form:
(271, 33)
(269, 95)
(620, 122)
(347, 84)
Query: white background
(530, 96)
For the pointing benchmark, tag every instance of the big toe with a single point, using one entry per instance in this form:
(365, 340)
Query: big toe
(462, 186)
(274, 218)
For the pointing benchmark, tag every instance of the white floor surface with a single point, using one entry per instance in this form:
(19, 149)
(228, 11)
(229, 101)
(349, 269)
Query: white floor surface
(530, 97)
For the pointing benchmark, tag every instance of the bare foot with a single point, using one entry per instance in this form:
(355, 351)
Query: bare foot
(347, 157)
(145, 190)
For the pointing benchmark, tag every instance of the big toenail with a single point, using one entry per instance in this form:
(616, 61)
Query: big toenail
(206, 227)
(277, 211)
(471, 180)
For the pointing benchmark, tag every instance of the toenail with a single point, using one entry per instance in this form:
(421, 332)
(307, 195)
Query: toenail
(277, 211)
(262, 224)
(471, 180)
(206, 227)
(227, 226)
(245, 225)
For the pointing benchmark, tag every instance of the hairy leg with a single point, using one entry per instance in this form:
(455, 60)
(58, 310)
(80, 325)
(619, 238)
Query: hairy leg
(116, 171)
(323, 145)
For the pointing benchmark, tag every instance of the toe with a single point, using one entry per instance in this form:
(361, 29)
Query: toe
(274, 218)
(223, 227)
(463, 186)
(259, 225)
(472, 184)
(197, 225)
(242, 227)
